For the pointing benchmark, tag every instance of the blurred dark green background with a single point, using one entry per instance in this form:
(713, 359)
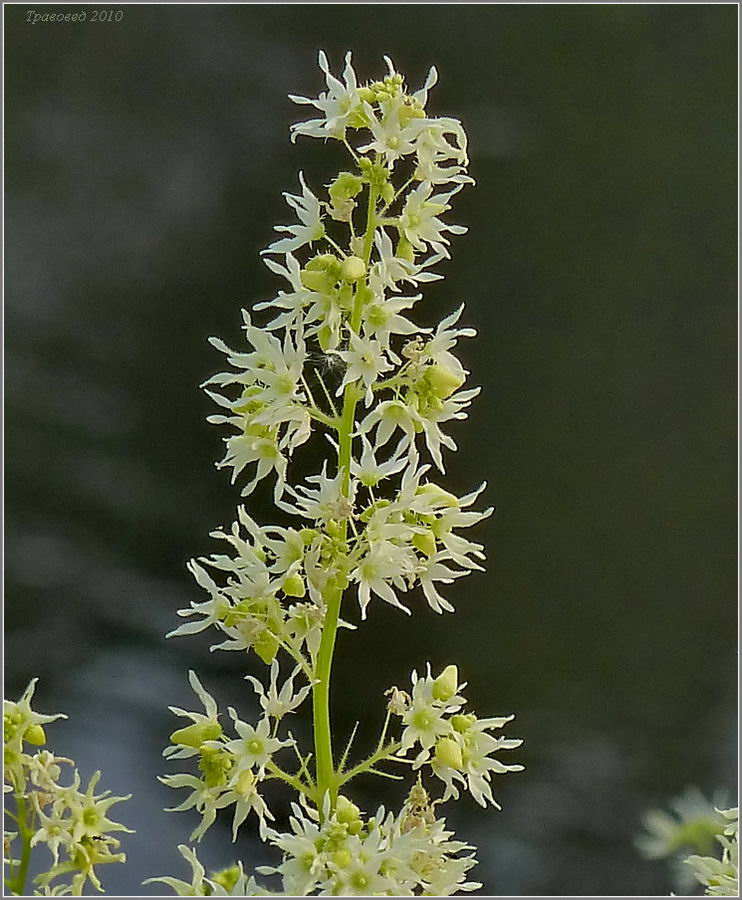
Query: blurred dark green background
(145, 161)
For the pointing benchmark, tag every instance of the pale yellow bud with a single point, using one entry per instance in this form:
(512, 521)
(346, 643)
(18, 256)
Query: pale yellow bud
(227, 878)
(195, 735)
(266, 646)
(405, 250)
(353, 268)
(425, 543)
(245, 783)
(35, 735)
(462, 723)
(446, 684)
(294, 586)
(346, 811)
(442, 381)
(448, 753)
(342, 858)
(438, 495)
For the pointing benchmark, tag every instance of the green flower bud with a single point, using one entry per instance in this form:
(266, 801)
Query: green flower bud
(405, 250)
(325, 338)
(438, 495)
(446, 684)
(448, 753)
(257, 431)
(227, 878)
(365, 516)
(366, 94)
(442, 381)
(316, 281)
(358, 118)
(35, 735)
(425, 543)
(322, 262)
(266, 646)
(308, 535)
(462, 723)
(195, 735)
(387, 192)
(248, 402)
(321, 273)
(342, 858)
(294, 586)
(346, 811)
(345, 186)
(334, 529)
(410, 110)
(245, 783)
(215, 762)
(345, 296)
(353, 269)
(355, 827)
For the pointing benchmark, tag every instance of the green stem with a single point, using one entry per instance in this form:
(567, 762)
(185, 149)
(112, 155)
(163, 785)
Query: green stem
(295, 782)
(18, 884)
(377, 756)
(327, 778)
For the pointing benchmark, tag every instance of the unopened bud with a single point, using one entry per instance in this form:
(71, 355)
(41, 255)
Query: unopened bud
(442, 381)
(437, 495)
(195, 735)
(446, 684)
(35, 735)
(462, 723)
(346, 811)
(353, 268)
(316, 281)
(326, 338)
(266, 646)
(227, 878)
(342, 858)
(345, 296)
(448, 753)
(405, 250)
(245, 783)
(294, 586)
(345, 186)
(321, 273)
(322, 262)
(424, 542)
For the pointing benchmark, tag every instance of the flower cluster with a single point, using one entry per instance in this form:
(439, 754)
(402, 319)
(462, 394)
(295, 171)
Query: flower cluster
(455, 744)
(720, 877)
(231, 770)
(229, 882)
(72, 823)
(344, 853)
(340, 353)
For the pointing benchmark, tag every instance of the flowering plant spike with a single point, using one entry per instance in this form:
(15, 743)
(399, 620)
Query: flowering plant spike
(72, 824)
(339, 356)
